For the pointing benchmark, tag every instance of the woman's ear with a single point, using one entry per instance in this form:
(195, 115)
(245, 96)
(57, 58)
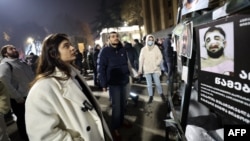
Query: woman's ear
(53, 53)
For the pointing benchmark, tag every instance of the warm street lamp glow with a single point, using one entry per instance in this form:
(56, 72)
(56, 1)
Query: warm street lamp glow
(30, 40)
(125, 23)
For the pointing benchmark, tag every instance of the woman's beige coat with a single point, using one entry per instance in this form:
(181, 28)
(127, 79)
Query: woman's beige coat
(150, 59)
(54, 112)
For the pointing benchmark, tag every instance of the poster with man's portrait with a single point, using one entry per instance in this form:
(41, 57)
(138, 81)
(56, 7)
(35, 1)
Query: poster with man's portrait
(186, 40)
(189, 6)
(217, 48)
(183, 43)
(223, 66)
(178, 52)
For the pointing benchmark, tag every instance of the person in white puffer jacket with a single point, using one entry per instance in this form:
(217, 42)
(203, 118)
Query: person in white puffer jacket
(149, 64)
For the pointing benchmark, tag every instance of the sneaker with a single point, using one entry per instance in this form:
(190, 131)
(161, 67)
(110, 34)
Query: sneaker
(150, 100)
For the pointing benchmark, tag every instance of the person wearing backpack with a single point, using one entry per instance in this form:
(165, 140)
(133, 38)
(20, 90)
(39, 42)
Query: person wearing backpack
(16, 75)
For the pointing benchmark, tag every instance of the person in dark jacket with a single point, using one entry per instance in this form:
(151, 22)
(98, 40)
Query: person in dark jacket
(138, 46)
(95, 57)
(132, 54)
(114, 73)
(168, 57)
(78, 61)
(32, 61)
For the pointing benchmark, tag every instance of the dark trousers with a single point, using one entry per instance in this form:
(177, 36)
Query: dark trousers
(118, 94)
(19, 111)
(96, 81)
(170, 69)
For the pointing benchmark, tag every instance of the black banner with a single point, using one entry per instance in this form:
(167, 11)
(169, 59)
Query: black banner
(224, 66)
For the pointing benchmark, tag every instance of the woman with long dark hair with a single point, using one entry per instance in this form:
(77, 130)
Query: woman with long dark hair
(60, 105)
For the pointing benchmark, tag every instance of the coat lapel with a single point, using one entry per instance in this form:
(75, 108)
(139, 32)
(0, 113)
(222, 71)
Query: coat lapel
(73, 92)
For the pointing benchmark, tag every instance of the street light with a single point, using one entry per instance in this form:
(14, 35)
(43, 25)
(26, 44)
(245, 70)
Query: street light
(30, 47)
(30, 40)
(125, 23)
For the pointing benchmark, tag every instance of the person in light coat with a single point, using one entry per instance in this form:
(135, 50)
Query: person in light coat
(60, 106)
(149, 64)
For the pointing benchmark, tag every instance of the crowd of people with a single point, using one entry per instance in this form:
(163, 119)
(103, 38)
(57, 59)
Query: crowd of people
(51, 87)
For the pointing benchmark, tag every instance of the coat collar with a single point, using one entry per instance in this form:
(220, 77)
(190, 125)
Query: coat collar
(71, 91)
(68, 87)
(5, 59)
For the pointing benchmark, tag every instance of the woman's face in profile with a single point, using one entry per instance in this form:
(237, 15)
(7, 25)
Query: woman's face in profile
(67, 51)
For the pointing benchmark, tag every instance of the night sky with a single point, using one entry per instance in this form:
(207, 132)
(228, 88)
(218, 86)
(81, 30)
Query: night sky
(42, 11)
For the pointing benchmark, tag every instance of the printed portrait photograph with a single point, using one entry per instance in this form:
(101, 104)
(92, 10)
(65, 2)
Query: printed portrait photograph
(217, 49)
(186, 40)
(189, 6)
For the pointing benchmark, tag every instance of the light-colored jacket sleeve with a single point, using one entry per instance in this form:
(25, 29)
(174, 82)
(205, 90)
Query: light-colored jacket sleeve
(141, 60)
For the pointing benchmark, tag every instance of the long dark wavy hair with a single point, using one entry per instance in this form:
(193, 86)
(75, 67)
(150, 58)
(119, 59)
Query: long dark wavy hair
(50, 58)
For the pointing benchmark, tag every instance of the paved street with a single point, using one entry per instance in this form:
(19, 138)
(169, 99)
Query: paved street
(147, 119)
